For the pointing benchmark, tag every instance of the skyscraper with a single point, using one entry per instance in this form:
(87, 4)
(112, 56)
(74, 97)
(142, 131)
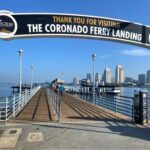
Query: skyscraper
(89, 77)
(75, 81)
(119, 76)
(107, 76)
(97, 78)
(142, 79)
(148, 76)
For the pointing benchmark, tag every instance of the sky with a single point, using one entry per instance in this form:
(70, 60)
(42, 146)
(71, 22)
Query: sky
(51, 57)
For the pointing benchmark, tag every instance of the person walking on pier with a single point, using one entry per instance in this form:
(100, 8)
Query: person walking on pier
(61, 89)
(57, 89)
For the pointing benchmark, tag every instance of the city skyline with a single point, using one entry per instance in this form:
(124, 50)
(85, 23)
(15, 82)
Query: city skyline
(107, 76)
(73, 57)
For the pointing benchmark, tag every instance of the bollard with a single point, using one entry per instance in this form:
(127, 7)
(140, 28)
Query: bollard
(140, 107)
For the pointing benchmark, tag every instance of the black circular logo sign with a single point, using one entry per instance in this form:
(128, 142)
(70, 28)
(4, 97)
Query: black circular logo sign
(8, 25)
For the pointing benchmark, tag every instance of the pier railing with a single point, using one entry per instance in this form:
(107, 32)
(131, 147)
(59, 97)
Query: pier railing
(11, 106)
(54, 102)
(117, 104)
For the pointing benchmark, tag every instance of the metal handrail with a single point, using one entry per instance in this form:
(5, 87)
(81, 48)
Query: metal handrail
(10, 107)
(117, 104)
(54, 102)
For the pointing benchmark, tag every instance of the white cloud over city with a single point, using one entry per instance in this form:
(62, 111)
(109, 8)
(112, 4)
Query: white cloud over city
(136, 52)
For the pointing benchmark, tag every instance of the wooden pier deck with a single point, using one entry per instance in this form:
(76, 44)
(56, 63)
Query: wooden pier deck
(37, 109)
(72, 110)
(77, 110)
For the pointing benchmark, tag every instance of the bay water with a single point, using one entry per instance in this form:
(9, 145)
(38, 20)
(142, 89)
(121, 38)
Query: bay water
(5, 90)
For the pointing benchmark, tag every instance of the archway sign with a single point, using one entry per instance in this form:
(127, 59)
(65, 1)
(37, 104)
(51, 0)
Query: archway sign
(18, 25)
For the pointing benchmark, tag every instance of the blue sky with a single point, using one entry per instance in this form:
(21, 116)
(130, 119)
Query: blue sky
(54, 56)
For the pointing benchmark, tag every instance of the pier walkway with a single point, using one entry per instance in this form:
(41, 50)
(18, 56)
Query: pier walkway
(82, 125)
(72, 110)
(37, 109)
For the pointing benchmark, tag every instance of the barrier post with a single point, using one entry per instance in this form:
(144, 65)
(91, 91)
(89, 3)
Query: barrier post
(6, 102)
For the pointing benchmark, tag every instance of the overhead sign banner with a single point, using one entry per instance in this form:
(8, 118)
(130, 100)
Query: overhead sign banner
(18, 25)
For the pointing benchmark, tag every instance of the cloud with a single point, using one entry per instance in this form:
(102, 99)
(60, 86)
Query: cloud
(136, 52)
(104, 56)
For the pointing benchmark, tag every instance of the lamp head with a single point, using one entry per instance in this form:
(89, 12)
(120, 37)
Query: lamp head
(20, 52)
(94, 56)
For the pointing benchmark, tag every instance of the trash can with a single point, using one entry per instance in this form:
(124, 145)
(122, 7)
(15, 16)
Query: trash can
(140, 106)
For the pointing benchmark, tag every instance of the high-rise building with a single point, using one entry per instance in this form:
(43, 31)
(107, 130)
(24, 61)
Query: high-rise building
(142, 79)
(112, 80)
(148, 77)
(97, 78)
(75, 81)
(129, 80)
(89, 77)
(119, 76)
(107, 76)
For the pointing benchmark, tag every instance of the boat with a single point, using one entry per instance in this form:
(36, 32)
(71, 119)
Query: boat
(86, 83)
(113, 90)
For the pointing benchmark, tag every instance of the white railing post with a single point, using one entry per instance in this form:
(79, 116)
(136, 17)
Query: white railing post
(14, 103)
(28, 95)
(25, 97)
(31, 92)
(20, 97)
(21, 100)
(6, 106)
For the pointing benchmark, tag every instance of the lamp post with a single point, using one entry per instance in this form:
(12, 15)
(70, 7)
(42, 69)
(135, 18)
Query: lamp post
(32, 67)
(20, 70)
(93, 59)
